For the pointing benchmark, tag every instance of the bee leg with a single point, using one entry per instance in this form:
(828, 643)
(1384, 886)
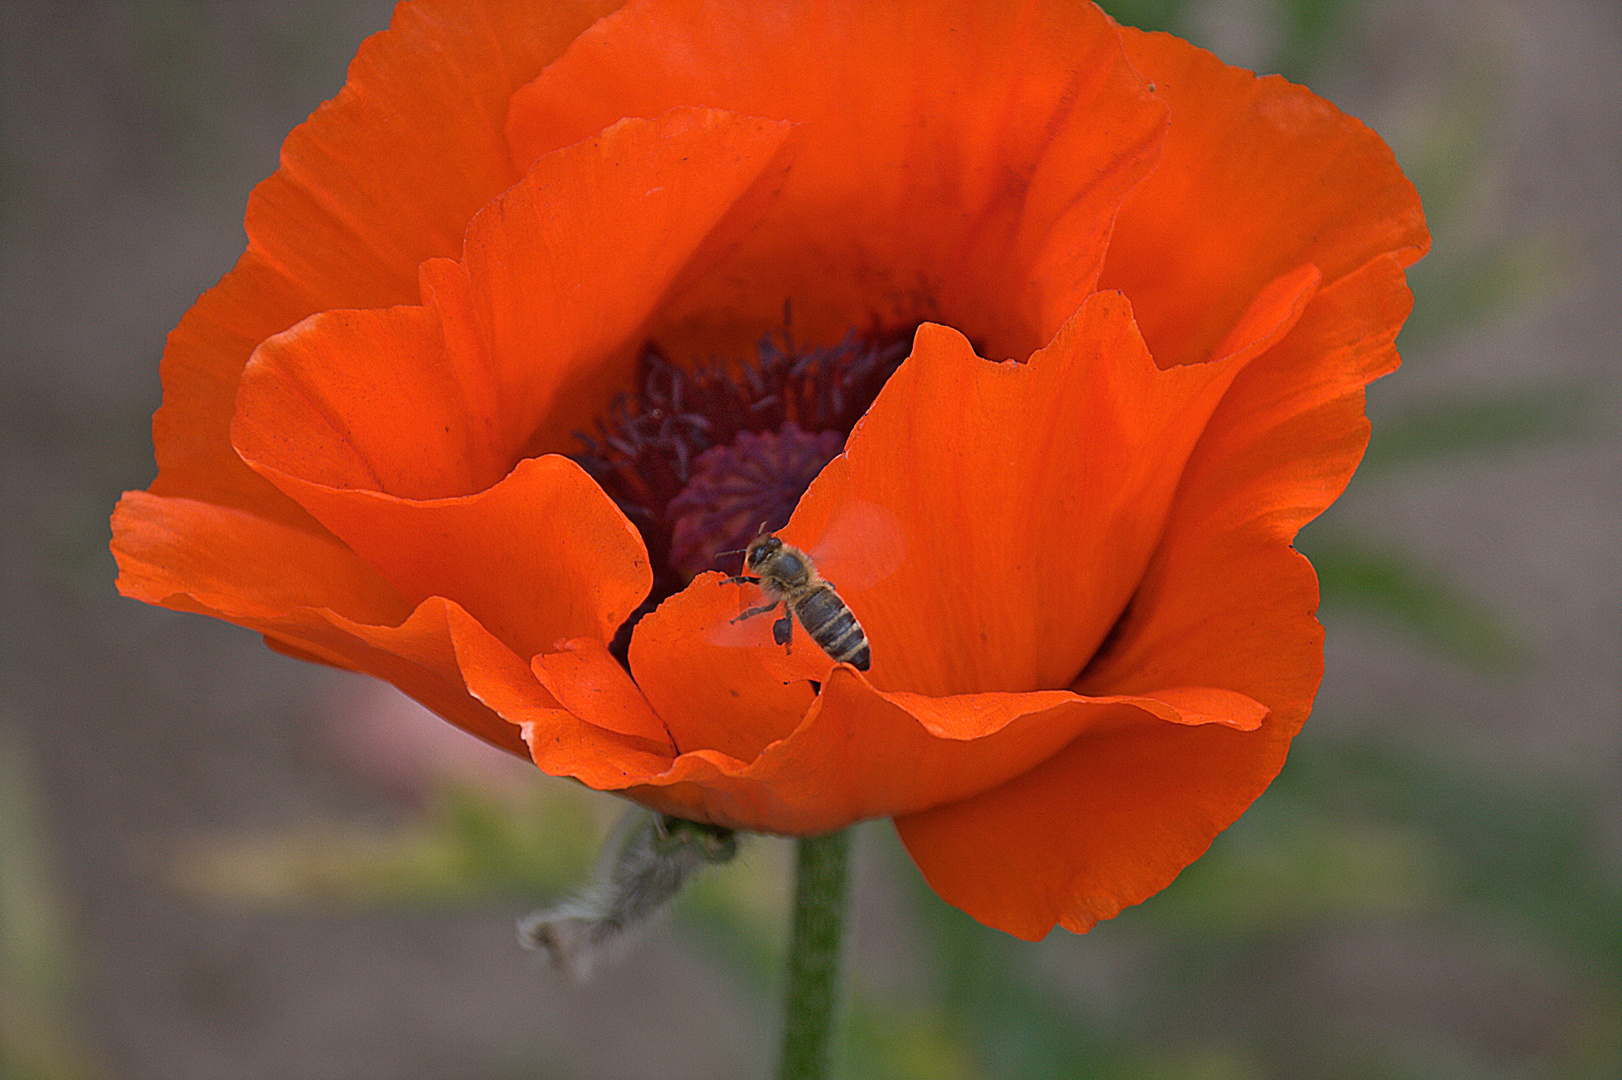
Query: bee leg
(752, 612)
(741, 579)
(783, 629)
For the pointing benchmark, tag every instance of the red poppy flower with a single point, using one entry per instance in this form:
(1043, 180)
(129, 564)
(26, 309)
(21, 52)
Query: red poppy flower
(1142, 291)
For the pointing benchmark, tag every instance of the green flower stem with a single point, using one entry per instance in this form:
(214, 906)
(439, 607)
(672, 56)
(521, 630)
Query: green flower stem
(821, 879)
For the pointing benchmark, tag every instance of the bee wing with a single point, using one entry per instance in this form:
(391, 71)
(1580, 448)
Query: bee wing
(861, 547)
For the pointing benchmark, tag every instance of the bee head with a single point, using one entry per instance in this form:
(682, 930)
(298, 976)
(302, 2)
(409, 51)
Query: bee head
(760, 549)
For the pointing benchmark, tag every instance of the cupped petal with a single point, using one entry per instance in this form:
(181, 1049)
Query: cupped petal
(375, 400)
(860, 753)
(359, 201)
(975, 185)
(1226, 599)
(388, 425)
(235, 565)
(721, 685)
(1026, 499)
(568, 266)
(1225, 603)
(439, 400)
(541, 557)
(559, 741)
(1258, 176)
(584, 678)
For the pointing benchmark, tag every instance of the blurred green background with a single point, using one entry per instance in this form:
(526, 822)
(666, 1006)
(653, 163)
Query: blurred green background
(208, 869)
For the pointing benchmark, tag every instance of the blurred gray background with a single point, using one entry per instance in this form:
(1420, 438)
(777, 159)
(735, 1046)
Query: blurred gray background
(213, 863)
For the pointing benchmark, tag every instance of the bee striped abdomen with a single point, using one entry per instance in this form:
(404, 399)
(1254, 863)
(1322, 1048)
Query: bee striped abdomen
(830, 623)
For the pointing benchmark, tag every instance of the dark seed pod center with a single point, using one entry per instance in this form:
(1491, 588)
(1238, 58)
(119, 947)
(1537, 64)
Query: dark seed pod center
(755, 480)
(700, 458)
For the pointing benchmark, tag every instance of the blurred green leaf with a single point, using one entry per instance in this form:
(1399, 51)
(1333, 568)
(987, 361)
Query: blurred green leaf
(1020, 1025)
(1287, 870)
(890, 1039)
(1167, 15)
(1356, 575)
(1462, 288)
(38, 965)
(1308, 33)
(1301, 34)
(1529, 851)
(470, 847)
(1477, 424)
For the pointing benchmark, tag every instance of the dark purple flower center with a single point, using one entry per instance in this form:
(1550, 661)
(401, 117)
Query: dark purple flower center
(702, 458)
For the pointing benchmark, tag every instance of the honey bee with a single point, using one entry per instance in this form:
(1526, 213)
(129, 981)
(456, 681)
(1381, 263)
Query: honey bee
(787, 575)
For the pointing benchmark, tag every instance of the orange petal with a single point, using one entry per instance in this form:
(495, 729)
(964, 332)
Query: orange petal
(719, 685)
(307, 593)
(541, 557)
(975, 185)
(1225, 602)
(560, 742)
(359, 202)
(1050, 530)
(356, 414)
(1028, 499)
(1104, 823)
(567, 266)
(374, 401)
(860, 754)
(361, 199)
(586, 679)
(759, 750)
(1258, 176)
(235, 565)
(438, 401)
(1225, 599)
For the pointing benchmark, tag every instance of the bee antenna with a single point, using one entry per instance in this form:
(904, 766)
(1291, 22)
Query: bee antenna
(734, 551)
